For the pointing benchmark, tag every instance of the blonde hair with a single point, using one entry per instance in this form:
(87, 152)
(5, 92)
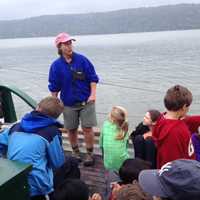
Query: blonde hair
(118, 116)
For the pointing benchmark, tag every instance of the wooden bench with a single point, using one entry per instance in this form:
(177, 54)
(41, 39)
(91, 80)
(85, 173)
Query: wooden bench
(81, 142)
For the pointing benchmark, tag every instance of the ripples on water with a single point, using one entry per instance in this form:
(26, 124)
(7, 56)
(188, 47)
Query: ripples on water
(135, 69)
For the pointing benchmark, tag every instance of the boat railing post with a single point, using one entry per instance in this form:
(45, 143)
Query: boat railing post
(7, 107)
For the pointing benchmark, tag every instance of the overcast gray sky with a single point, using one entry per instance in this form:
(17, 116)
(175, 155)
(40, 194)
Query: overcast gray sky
(16, 9)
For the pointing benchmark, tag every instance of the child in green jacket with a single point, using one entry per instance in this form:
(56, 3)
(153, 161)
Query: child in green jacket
(114, 138)
(113, 141)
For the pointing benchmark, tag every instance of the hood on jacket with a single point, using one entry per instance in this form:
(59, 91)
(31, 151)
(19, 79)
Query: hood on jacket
(36, 120)
(163, 127)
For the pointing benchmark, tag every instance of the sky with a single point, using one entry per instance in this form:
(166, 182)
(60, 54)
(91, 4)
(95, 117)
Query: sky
(19, 9)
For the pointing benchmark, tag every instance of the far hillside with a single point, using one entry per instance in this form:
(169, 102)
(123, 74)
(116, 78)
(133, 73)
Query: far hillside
(174, 17)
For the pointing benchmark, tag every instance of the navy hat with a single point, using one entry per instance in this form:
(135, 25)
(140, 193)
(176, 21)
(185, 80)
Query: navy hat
(175, 179)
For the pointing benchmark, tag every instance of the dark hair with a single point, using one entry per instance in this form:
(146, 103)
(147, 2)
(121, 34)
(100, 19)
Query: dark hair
(176, 97)
(59, 49)
(154, 114)
(51, 106)
(72, 189)
(131, 168)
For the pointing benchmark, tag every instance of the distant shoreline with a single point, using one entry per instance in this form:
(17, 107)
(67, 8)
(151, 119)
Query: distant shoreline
(107, 34)
(136, 20)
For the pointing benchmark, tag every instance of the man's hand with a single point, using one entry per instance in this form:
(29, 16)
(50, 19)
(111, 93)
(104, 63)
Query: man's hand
(92, 98)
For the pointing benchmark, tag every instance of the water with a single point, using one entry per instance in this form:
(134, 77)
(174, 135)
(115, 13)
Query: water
(135, 69)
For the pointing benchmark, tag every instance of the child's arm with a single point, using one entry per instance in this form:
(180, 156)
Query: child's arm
(140, 130)
(193, 122)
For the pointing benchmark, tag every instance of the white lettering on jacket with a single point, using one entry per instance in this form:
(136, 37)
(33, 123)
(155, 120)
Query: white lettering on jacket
(190, 148)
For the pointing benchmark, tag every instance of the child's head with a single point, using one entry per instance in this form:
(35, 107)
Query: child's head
(177, 98)
(50, 106)
(131, 168)
(72, 189)
(132, 192)
(118, 116)
(151, 117)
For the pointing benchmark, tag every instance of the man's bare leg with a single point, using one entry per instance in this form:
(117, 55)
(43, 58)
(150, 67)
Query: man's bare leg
(73, 138)
(89, 141)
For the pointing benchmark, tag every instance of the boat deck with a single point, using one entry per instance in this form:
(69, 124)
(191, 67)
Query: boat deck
(94, 176)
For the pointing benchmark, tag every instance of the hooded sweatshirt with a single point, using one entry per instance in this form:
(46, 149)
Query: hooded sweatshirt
(173, 139)
(35, 140)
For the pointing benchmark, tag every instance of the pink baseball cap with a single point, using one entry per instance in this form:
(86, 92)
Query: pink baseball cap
(63, 37)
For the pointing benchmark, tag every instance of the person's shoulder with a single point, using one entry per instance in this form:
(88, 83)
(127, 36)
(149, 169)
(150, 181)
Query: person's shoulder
(165, 126)
(172, 124)
(57, 62)
(140, 129)
(81, 57)
(177, 127)
(50, 132)
(106, 123)
(78, 55)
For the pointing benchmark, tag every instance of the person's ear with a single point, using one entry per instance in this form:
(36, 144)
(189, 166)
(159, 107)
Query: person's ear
(153, 123)
(185, 106)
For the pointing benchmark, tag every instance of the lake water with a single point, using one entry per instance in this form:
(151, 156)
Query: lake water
(135, 69)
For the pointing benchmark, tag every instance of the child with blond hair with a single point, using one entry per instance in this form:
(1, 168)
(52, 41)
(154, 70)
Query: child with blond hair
(113, 142)
(114, 138)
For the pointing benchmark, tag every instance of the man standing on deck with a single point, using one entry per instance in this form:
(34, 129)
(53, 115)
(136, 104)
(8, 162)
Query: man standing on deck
(74, 76)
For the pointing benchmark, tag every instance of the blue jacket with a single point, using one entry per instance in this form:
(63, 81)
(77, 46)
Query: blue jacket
(61, 79)
(35, 140)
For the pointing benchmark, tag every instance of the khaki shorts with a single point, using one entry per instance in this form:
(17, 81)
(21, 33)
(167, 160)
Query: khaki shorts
(85, 114)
